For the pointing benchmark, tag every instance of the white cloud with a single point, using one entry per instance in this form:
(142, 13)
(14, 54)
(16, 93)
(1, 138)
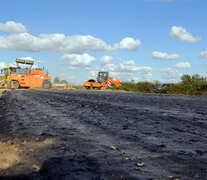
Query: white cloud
(119, 58)
(165, 56)
(182, 65)
(76, 44)
(74, 68)
(181, 34)
(129, 44)
(106, 59)
(170, 75)
(2, 65)
(21, 40)
(115, 54)
(13, 27)
(125, 71)
(52, 42)
(78, 60)
(67, 77)
(203, 54)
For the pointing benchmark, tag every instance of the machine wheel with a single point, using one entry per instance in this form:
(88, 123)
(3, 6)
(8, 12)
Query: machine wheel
(87, 88)
(46, 84)
(113, 85)
(15, 84)
(8, 84)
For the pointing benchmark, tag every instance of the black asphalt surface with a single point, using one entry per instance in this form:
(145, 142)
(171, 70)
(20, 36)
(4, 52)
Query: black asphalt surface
(106, 135)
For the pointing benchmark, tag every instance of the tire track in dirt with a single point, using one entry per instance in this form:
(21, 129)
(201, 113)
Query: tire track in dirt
(114, 131)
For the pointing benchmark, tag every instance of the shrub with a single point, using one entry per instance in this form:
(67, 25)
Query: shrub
(145, 87)
(189, 85)
(189, 79)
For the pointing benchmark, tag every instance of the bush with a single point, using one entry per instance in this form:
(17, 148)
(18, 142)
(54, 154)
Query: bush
(189, 85)
(190, 79)
(145, 87)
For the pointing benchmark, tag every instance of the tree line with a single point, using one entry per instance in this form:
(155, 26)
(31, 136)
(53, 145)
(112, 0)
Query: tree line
(188, 85)
(58, 81)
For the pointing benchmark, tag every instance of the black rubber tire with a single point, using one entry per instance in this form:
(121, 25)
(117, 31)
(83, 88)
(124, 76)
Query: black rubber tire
(15, 84)
(46, 84)
(8, 85)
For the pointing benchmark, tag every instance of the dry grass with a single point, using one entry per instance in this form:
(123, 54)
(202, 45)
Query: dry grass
(13, 153)
(9, 155)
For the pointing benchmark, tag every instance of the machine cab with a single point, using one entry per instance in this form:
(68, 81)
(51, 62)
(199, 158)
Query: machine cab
(5, 72)
(2, 72)
(103, 77)
(9, 70)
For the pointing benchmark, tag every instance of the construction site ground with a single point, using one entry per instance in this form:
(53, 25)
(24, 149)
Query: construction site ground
(102, 135)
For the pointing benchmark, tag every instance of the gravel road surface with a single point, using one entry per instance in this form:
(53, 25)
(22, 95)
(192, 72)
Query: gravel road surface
(102, 135)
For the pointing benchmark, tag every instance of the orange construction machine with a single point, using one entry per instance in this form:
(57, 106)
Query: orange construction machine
(25, 77)
(103, 80)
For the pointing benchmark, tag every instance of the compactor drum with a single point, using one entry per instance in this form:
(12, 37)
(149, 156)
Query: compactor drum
(103, 80)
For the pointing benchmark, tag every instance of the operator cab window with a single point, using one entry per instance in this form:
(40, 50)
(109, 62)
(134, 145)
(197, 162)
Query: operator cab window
(13, 71)
(103, 76)
(6, 72)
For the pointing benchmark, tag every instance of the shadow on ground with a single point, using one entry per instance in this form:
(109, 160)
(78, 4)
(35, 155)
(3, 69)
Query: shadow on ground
(71, 167)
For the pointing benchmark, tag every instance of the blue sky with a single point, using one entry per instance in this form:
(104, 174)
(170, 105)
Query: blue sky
(141, 40)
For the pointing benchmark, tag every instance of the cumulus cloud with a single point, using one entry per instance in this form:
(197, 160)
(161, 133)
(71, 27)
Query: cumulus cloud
(2, 65)
(170, 75)
(68, 77)
(125, 71)
(165, 56)
(115, 54)
(181, 34)
(129, 44)
(13, 27)
(203, 54)
(21, 40)
(74, 68)
(78, 60)
(106, 59)
(52, 42)
(182, 65)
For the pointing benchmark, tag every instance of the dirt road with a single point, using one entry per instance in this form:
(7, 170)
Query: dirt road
(102, 135)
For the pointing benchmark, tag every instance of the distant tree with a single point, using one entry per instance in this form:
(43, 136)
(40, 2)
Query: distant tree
(197, 78)
(56, 80)
(63, 81)
(157, 83)
(132, 81)
(188, 79)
